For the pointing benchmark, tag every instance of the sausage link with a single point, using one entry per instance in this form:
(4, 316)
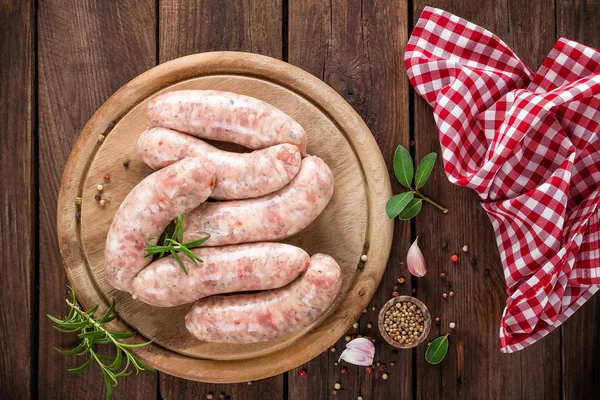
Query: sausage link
(269, 218)
(226, 116)
(237, 268)
(264, 316)
(146, 212)
(239, 175)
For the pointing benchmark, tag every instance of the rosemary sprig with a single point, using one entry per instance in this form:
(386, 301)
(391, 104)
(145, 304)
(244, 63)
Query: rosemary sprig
(173, 244)
(92, 332)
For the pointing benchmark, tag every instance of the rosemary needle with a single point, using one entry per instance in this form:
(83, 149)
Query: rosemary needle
(92, 332)
(174, 244)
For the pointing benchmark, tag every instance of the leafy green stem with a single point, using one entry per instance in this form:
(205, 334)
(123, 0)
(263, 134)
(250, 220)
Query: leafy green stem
(427, 199)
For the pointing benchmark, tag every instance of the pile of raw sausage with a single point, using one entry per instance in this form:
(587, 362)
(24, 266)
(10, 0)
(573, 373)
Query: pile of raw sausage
(267, 195)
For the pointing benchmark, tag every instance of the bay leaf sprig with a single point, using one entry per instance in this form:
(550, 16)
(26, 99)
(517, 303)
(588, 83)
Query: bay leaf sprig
(437, 350)
(92, 332)
(408, 204)
(173, 244)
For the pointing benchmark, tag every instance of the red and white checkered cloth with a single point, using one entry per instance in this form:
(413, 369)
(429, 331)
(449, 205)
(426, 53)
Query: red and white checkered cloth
(529, 145)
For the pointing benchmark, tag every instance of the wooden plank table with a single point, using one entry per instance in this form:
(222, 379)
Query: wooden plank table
(60, 59)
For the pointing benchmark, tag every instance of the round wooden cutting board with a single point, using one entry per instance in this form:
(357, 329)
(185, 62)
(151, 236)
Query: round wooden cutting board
(353, 223)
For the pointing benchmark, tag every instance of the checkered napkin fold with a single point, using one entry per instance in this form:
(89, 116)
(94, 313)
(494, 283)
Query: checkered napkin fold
(528, 144)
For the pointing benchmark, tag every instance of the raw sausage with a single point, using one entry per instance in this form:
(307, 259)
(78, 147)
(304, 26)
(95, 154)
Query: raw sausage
(237, 268)
(239, 175)
(146, 212)
(226, 116)
(269, 218)
(264, 316)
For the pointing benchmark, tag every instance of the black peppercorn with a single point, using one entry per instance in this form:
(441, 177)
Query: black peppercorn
(473, 263)
(78, 214)
(444, 245)
(126, 163)
(98, 197)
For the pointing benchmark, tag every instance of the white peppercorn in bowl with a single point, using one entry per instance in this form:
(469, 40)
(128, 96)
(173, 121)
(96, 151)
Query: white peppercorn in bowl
(390, 323)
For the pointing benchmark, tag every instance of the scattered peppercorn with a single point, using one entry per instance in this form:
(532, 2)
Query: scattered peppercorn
(451, 293)
(102, 202)
(449, 285)
(355, 325)
(382, 368)
(378, 364)
(106, 177)
(78, 200)
(373, 340)
(101, 138)
(465, 248)
(98, 197)
(395, 294)
(111, 124)
(78, 215)
(361, 292)
(334, 392)
(365, 311)
(401, 280)
(100, 188)
(221, 395)
(437, 320)
(412, 142)
(369, 370)
(352, 337)
(443, 275)
(369, 326)
(404, 322)
(452, 325)
(336, 363)
(384, 376)
(444, 295)
(373, 308)
(249, 383)
(486, 272)
(344, 370)
(392, 364)
(364, 258)
(454, 258)
(347, 338)
(473, 263)
(414, 290)
(337, 386)
(444, 245)
(209, 396)
(302, 372)
(359, 398)
(126, 163)
(333, 349)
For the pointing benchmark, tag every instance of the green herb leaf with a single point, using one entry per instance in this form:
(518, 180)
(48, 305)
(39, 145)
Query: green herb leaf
(173, 244)
(92, 332)
(397, 203)
(411, 210)
(424, 170)
(437, 350)
(403, 167)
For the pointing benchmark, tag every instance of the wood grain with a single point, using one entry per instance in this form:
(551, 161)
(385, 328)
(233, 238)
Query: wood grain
(81, 63)
(17, 200)
(341, 139)
(242, 25)
(356, 47)
(577, 20)
(479, 296)
(188, 27)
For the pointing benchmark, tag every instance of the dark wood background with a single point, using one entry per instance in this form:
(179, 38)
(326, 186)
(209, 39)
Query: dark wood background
(60, 59)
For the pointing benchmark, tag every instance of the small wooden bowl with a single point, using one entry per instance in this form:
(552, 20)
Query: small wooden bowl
(426, 325)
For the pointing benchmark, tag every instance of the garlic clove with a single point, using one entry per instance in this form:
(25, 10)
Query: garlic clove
(359, 351)
(415, 260)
